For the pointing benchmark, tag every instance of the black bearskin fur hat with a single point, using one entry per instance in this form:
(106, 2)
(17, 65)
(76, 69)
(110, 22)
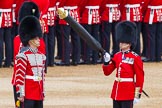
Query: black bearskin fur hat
(29, 28)
(126, 32)
(28, 8)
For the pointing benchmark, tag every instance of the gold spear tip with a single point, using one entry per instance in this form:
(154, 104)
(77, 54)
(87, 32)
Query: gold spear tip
(62, 13)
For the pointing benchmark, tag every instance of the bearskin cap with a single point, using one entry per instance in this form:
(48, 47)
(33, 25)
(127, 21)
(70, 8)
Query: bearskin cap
(126, 32)
(28, 8)
(43, 5)
(29, 28)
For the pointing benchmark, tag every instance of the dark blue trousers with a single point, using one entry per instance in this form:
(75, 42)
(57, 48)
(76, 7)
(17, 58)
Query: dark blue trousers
(51, 45)
(106, 30)
(138, 45)
(5, 37)
(76, 46)
(14, 32)
(144, 39)
(154, 43)
(46, 46)
(33, 103)
(86, 51)
(59, 41)
(123, 104)
(68, 47)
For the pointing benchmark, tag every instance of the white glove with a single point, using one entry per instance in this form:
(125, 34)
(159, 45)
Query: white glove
(136, 100)
(106, 57)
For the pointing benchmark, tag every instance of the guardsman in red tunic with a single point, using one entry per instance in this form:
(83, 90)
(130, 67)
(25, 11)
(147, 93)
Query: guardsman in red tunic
(51, 17)
(131, 10)
(90, 19)
(143, 34)
(18, 5)
(110, 16)
(58, 34)
(152, 11)
(129, 79)
(43, 7)
(14, 27)
(30, 65)
(72, 6)
(5, 32)
(25, 10)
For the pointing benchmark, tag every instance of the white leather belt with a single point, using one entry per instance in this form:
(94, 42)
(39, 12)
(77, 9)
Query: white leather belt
(70, 7)
(5, 10)
(152, 11)
(92, 7)
(112, 5)
(129, 6)
(90, 12)
(51, 9)
(124, 79)
(44, 16)
(111, 11)
(35, 78)
(132, 5)
(155, 7)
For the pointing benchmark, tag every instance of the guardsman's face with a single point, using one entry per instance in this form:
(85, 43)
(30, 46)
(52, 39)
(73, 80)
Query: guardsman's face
(124, 46)
(35, 42)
